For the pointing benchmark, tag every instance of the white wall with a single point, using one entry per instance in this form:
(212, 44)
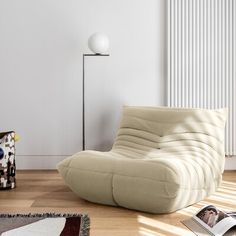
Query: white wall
(41, 47)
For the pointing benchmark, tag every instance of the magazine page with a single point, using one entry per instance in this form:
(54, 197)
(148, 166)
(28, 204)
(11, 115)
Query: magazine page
(196, 227)
(232, 214)
(214, 220)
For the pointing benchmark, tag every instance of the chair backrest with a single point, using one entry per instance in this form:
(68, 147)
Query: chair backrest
(148, 128)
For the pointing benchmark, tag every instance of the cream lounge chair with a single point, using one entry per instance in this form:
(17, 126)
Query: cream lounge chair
(163, 159)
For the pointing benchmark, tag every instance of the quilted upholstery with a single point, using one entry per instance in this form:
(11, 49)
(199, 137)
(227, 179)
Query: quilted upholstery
(163, 159)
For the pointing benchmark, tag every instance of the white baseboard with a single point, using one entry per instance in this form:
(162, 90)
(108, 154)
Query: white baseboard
(230, 163)
(50, 162)
(37, 162)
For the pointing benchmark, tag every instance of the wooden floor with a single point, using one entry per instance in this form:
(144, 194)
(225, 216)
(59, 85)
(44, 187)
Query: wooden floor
(44, 191)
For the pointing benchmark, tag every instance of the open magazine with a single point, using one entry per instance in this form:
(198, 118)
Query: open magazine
(211, 221)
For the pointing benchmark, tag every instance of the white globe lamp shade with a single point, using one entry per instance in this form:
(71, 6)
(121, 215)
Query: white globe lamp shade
(98, 43)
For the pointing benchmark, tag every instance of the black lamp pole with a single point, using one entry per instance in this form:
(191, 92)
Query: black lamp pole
(83, 88)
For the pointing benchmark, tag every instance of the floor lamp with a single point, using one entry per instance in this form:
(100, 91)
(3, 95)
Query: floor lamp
(99, 45)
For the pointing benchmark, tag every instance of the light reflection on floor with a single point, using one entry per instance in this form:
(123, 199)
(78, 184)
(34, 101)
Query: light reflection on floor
(155, 224)
(147, 232)
(224, 199)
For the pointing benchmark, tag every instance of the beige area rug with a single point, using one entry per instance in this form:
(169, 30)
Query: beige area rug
(44, 224)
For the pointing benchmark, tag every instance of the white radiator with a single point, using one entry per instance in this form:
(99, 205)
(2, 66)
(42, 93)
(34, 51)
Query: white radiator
(202, 58)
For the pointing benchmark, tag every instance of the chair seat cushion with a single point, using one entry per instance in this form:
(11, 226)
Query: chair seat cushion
(158, 184)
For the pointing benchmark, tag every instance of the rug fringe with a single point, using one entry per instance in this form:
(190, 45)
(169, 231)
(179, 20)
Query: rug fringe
(85, 226)
(8, 215)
